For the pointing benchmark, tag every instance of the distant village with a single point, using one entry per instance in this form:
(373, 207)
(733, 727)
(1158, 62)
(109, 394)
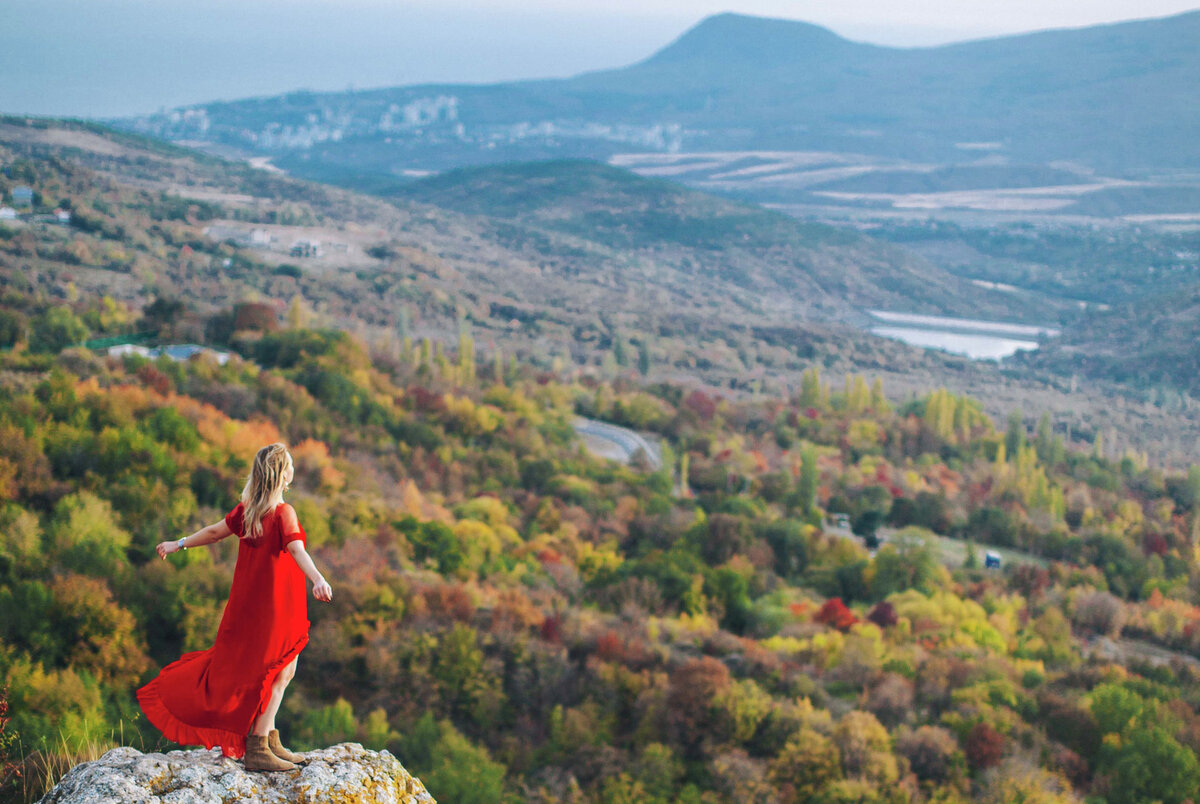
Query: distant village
(279, 241)
(21, 208)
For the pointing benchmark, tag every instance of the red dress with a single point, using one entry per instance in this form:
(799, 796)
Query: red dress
(212, 697)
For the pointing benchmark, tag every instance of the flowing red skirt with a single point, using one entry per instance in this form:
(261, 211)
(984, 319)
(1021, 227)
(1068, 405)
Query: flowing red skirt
(212, 697)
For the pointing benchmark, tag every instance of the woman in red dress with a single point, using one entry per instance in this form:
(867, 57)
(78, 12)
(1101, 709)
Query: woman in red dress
(229, 694)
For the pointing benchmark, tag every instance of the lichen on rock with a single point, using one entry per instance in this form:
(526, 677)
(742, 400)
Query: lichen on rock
(342, 774)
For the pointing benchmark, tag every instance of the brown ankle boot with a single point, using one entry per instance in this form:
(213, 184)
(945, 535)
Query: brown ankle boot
(260, 758)
(278, 750)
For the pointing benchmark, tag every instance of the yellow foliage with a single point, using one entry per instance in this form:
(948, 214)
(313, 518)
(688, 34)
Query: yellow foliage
(949, 618)
(593, 561)
(312, 456)
(1128, 516)
(417, 505)
(827, 648)
(863, 433)
(693, 625)
(242, 439)
(514, 401)
(786, 644)
(487, 509)
(472, 419)
(479, 541)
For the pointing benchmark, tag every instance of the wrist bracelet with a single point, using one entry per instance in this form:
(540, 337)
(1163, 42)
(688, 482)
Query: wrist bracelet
(182, 544)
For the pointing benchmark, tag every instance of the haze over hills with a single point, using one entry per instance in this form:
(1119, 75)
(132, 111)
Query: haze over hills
(1105, 104)
(558, 256)
(577, 264)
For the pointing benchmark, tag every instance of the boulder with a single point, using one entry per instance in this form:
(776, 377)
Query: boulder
(342, 774)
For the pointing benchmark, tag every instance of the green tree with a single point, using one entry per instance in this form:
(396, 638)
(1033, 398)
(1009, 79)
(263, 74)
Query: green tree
(1152, 766)
(85, 536)
(732, 591)
(806, 485)
(618, 350)
(327, 725)
(643, 357)
(908, 561)
(461, 771)
(812, 393)
(1014, 438)
(55, 330)
(788, 542)
(808, 762)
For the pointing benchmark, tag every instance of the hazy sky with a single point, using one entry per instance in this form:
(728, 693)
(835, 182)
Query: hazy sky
(115, 57)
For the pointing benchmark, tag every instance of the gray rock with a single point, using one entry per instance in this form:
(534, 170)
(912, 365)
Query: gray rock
(343, 774)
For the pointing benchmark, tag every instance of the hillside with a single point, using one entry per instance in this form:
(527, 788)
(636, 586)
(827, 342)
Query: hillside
(514, 619)
(1152, 342)
(1098, 105)
(214, 241)
(712, 245)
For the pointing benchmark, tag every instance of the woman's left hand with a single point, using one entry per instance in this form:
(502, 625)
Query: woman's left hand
(165, 549)
(323, 591)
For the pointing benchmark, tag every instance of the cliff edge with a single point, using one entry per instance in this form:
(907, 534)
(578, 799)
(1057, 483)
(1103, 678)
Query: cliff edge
(342, 774)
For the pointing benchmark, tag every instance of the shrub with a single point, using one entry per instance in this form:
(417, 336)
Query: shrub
(932, 753)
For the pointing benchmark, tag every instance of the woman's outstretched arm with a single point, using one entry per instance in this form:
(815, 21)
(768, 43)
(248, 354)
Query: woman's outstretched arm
(321, 589)
(295, 547)
(209, 535)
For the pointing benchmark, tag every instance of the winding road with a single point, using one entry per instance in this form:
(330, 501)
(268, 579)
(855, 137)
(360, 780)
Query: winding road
(618, 443)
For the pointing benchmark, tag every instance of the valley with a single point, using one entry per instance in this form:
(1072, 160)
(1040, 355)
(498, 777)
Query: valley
(778, 419)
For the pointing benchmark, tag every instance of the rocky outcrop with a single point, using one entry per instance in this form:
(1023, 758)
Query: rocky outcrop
(343, 774)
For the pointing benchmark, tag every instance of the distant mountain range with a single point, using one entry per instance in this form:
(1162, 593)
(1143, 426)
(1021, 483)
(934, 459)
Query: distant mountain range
(1116, 101)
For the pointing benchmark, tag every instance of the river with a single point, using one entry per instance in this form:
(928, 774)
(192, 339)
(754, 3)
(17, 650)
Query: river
(974, 338)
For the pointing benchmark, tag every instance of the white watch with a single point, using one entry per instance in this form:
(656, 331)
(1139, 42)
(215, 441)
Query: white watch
(182, 545)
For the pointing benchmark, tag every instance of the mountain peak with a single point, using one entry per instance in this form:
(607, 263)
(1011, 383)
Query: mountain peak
(742, 37)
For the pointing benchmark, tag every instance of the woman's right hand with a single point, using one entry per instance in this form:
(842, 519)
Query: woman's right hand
(165, 549)
(323, 591)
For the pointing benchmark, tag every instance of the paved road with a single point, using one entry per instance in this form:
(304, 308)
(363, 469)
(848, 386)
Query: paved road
(619, 443)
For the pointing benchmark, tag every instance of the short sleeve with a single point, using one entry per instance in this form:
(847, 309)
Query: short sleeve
(234, 520)
(289, 527)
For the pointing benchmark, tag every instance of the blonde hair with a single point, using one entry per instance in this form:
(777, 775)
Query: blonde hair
(264, 488)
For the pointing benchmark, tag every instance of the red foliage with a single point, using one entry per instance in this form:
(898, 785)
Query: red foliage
(883, 615)
(425, 400)
(811, 413)
(1030, 581)
(701, 404)
(692, 688)
(551, 629)
(985, 747)
(835, 614)
(609, 647)
(9, 770)
(1154, 544)
(1073, 766)
(154, 379)
(450, 601)
(255, 316)
(549, 555)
